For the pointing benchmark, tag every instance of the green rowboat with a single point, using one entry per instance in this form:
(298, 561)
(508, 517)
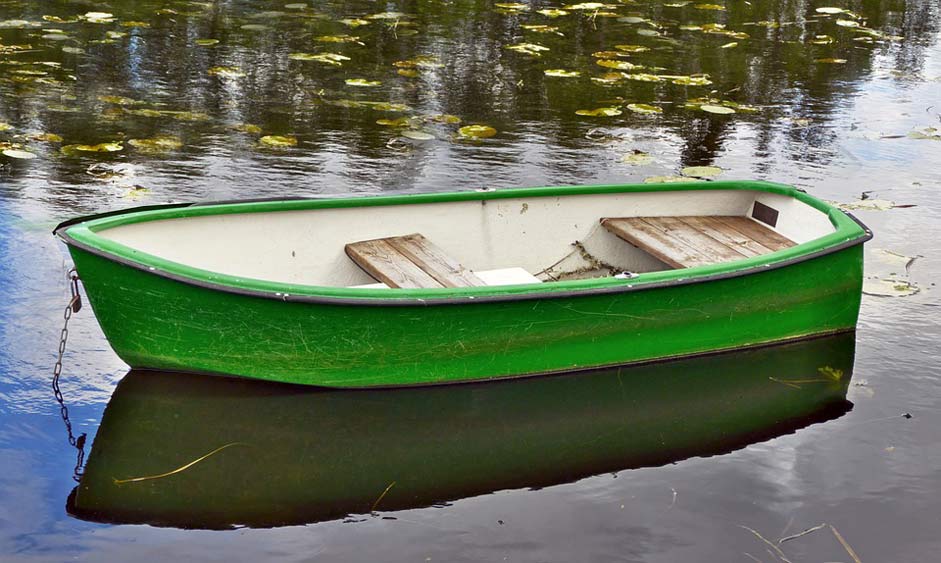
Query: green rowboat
(457, 287)
(294, 455)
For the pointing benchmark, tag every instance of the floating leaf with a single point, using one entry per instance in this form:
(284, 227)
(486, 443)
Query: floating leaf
(729, 45)
(552, 13)
(599, 112)
(255, 27)
(73, 50)
(666, 179)
(408, 72)
(929, 133)
(296, 6)
(889, 287)
(206, 42)
(637, 158)
(562, 73)
(247, 128)
(47, 137)
(620, 65)
(337, 39)
(847, 23)
(417, 135)
(157, 144)
(587, 6)
(829, 10)
(716, 7)
(633, 19)
(476, 131)
(113, 146)
(354, 22)
(98, 17)
(512, 6)
(822, 40)
(721, 110)
(533, 49)
(362, 82)
(386, 16)
(642, 77)
(328, 58)
(698, 80)
(632, 48)
(701, 171)
(869, 205)
(5, 126)
(278, 141)
(398, 122)
(645, 109)
(831, 61)
(19, 154)
(648, 32)
(120, 100)
(443, 118)
(226, 72)
(542, 29)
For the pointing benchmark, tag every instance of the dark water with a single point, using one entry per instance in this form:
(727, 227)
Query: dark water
(536, 471)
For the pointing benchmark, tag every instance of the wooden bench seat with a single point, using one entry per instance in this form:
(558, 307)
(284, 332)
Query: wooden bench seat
(685, 242)
(410, 261)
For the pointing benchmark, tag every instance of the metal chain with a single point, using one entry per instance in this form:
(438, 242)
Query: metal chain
(75, 304)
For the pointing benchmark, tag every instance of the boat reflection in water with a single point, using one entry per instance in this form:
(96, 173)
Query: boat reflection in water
(292, 455)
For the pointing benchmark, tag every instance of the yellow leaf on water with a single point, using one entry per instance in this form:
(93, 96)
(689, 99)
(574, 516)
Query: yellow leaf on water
(278, 141)
(476, 131)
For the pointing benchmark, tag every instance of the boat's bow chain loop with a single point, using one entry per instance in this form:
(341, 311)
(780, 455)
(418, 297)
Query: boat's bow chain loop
(75, 304)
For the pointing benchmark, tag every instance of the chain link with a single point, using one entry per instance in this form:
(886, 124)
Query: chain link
(75, 303)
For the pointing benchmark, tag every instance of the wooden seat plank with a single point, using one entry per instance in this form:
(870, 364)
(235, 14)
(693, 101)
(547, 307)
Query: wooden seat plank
(411, 262)
(386, 264)
(660, 245)
(434, 261)
(725, 234)
(685, 242)
(757, 232)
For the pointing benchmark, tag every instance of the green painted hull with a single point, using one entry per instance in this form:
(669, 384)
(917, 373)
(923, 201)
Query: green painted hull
(305, 455)
(167, 322)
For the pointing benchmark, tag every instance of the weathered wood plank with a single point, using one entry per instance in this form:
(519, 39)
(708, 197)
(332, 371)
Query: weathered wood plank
(654, 241)
(384, 262)
(685, 242)
(708, 248)
(434, 261)
(725, 234)
(758, 233)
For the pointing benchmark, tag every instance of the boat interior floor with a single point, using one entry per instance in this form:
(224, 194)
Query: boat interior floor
(412, 261)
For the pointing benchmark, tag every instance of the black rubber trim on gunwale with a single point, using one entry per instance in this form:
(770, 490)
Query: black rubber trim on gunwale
(488, 380)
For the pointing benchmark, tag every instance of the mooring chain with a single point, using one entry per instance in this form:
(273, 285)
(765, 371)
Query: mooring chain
(75, 304)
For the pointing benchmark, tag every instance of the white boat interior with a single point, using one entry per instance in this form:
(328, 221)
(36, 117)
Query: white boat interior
(483, 242)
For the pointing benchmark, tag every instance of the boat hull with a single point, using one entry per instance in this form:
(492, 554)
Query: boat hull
(156, 322)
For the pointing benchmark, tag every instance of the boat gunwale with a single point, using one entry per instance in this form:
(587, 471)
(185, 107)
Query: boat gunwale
(847, 233)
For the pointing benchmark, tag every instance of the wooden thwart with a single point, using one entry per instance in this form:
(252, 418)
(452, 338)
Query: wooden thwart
(410, 261)
(685, 242)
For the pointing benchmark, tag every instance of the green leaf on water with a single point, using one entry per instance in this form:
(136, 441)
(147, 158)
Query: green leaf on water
(19, 154)
(296, 6)
(278, 141)
(632, 48)
(642, 77)
(157, 144)
(648, 32)
(512, 6)
(46, 137)
(5, 126)
(562, 73)
(446, 118)
(476, 131)
(247, 128)
(847, 23)
(831, 61)
(98, 17)
(587, 6)
(73, 50)
(729, 45)
(343, 38)
(328, 58)
(822, 40)
(620, 65)
(721, 110)
(532, 49)
(716, 7)
(113, 146)
(697, 80)
(255, 27)
(889, 287)
(386, 16)
(927, 133)
(667, 179)
(417, 135)
(362, 82)
(701, 171)
(829, 10)
(542, 29)
(552, 13)
(599, 112)
(646, 109)
(206, 42)
(354, 22)
(398, 122)
(226, 72)
(637, 158)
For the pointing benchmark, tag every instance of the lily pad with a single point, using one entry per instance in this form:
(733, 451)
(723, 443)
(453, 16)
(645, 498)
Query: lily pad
(532, 49)
(929, 133)
(362, 82)
(637, 158)
(206, 42)
(729, 45)
(701, 171)
(354, 22)
(73, 50)
(443, 118)
(716, 7)
(247, 128)
(156, 145)
(5, 126)
(829, 10)
(632, 48)
(337, 39)
(47, 137)
(476, 131)
(328, 58)
(278, 141)
(599, 112)
(562, 73)
(721, 110)
(113, 146)
(619, 65)
(417, 135)
(667, 179)
(831, 61)
(398, 122)
(847, 23)
(889, 287)
(226, 72)
(552, 13)
(19, 154)
(646, 109)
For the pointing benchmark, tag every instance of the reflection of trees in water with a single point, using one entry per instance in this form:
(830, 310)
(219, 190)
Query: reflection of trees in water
(480, 80)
